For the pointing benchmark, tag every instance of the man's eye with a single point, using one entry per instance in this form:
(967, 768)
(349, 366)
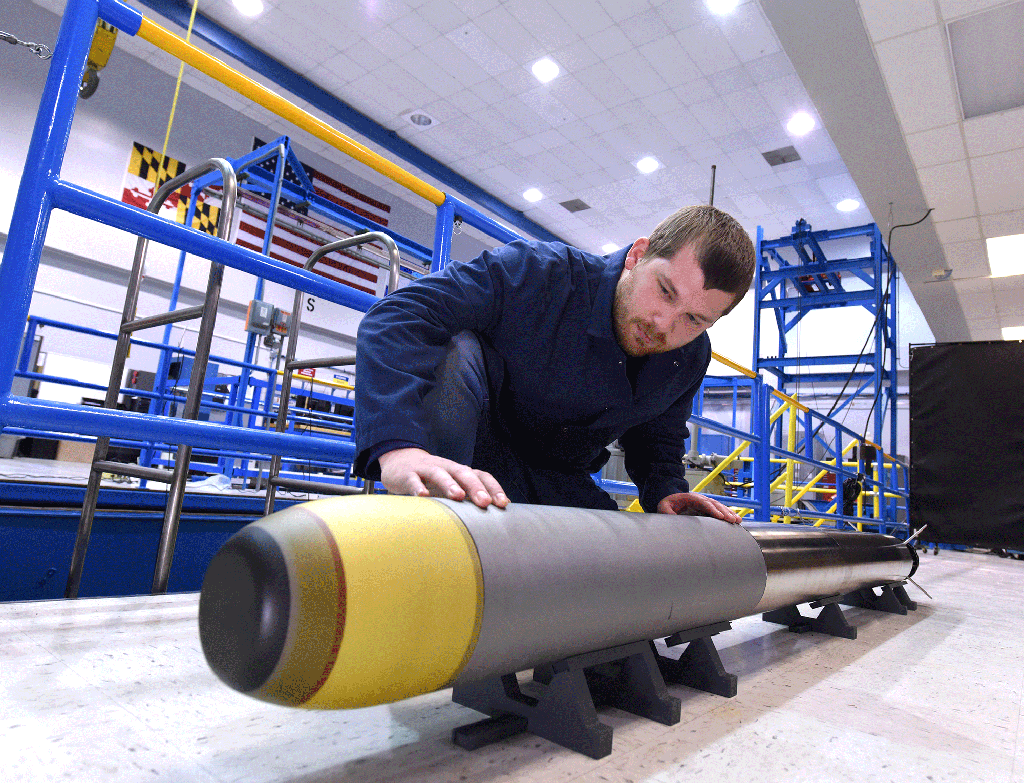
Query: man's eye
(664, 291)
(691, 318)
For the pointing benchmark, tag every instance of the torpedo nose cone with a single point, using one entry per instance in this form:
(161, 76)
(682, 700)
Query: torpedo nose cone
(243, 609)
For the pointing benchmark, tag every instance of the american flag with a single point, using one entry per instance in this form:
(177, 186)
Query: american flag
(328, 188)
(295, 238)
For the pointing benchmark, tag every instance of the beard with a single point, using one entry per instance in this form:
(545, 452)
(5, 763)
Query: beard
(636, 336)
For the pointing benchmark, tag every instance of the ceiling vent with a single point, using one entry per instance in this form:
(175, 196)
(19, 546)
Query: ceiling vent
(988, 60)
(781, 155)
(575, 205)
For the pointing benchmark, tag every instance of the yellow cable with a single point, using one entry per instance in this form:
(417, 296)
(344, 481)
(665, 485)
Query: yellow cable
(174, 103)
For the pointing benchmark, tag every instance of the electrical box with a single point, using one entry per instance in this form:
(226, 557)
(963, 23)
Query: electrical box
(260, 317)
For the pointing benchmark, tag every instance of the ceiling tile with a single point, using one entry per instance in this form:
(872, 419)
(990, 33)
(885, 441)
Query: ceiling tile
(644, 27)
(1002, 224)
(886, 19)
(510, 36)
(953, 9)
(938, 145)
(586, 16)
(749, 107)
(549, 28)
(635, 72)
(769, 67)
(973, 286)
(958, 230)
(997, 181)
(917, 72)
(609, 42)
(479, 47)
(708, 48)
(443, 15)
(696, 91)
(673, 65)
(1009, 304)
(715, 117)
(619, 10)
(749, 33)
(978, 305)
(999, 132)
(967, 259)
(947, 188)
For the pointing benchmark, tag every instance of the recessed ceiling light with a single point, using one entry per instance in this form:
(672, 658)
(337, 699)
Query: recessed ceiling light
(800, 124)
(609, 247)
(648, 164)
(249, 7)
(1006, 255)
(1013, 332)
(419, 118)
(533, 194)
(545, 69)
(848, 205)
(721, 7)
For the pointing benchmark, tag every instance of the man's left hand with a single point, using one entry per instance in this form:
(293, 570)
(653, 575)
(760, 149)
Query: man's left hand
(695, 504)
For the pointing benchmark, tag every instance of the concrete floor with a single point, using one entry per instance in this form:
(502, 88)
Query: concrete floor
(117, 689)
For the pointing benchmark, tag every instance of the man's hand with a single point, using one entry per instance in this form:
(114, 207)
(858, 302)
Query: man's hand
(695, 504)
(414, 471)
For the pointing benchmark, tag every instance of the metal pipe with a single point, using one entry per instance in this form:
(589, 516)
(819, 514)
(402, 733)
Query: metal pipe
(176, 492)
(333, 361)
(303, 607)
(173, 317)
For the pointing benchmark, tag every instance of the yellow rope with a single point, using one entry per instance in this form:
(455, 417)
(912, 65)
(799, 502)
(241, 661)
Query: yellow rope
(174, 103)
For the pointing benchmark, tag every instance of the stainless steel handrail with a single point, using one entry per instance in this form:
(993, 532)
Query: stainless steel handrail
(129, 323)
(274, 481)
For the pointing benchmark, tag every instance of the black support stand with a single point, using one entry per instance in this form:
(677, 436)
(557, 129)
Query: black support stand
(564, 710)
(700, 665)
(894, 599)
(830, 619)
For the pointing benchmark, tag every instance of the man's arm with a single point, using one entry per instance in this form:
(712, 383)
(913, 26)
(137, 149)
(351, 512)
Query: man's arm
(654, 460)
(401, 342)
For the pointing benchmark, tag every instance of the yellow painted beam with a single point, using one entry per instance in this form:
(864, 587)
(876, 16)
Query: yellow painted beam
(221, 72)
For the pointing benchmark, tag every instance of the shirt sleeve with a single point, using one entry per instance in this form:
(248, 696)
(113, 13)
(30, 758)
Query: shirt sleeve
(654, 450)
(403, 338)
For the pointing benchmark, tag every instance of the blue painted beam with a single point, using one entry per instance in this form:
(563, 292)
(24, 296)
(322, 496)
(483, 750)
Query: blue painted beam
(178, 11)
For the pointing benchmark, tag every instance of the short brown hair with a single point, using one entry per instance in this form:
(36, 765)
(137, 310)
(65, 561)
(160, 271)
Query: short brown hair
(724, 250)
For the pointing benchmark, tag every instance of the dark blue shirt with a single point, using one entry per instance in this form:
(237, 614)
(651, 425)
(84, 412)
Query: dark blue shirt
(546, 310)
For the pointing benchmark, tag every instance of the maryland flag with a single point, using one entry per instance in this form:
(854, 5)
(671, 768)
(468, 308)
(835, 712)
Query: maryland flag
(145, 169)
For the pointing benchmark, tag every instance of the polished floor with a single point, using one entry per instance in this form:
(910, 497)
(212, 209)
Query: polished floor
(117, 690)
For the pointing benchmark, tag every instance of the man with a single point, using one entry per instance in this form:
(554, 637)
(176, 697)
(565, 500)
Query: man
(506, 377)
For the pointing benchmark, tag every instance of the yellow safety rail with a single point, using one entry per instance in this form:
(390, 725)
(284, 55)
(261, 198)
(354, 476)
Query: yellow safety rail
(218, 70)
(332, 382)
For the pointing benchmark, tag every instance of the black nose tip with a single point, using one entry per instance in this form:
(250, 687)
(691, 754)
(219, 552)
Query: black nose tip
(243, 609)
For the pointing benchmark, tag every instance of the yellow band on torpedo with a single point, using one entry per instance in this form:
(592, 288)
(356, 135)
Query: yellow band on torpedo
(228, 76)
(413, 594)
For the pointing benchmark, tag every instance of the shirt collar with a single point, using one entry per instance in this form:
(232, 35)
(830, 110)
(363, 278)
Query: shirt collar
(601, 316)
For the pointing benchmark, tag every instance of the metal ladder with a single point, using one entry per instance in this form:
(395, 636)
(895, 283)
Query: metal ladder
(207, 312)
(275, 480)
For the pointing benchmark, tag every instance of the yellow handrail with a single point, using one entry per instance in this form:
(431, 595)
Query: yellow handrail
(735, 453)
(218, 70)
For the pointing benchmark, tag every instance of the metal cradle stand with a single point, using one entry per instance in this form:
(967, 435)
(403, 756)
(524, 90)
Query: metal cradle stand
(564, 709)
(831, 620)
(275, 480)
(562, 699)
(207, 313)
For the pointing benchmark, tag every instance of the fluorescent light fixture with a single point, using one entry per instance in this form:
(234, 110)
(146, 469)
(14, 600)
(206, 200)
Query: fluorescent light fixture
(800, 124)
(533, 194)
(848, 205)
(1006, 255)
(1013, 332)
(721, 7)
(609, 247)
(648, 164)
(249, 7)
(545, 69)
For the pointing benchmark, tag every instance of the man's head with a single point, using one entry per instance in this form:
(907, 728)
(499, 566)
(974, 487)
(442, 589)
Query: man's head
(693, 269)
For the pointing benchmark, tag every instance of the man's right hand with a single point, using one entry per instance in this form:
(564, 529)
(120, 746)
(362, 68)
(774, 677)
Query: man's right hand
(413, 471)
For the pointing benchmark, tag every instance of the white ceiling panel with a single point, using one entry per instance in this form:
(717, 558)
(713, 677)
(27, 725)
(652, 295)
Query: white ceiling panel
(948, 190)
(917, 70)
(944, 144)
(886, 19)
(998, 181)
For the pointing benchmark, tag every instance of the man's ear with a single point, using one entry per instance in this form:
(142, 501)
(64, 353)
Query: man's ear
(636, 252)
